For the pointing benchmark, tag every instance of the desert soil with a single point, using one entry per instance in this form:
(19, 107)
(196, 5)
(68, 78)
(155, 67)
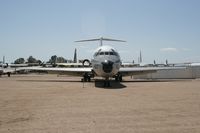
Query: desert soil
(50, 104)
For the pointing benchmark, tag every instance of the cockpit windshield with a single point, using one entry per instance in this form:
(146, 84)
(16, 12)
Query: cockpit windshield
(106, 53)
(111, 53)
(100, 53)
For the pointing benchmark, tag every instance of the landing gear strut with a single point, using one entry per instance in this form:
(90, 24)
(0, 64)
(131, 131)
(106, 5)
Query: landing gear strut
(107, 83)
(118, 77)
(86, 78)
(8, 74)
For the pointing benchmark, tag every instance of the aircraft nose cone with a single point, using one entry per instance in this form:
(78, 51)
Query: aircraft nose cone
(107, 66)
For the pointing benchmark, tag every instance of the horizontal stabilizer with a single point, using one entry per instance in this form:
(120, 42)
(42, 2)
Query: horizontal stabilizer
(101, 40)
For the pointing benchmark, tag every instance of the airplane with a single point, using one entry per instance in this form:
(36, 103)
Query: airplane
(106, 63)
(5, 69)
(8, 71)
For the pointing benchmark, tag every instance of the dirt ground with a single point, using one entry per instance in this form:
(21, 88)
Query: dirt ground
(51, 104)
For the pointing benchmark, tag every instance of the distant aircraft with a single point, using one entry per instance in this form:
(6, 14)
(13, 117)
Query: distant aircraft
(8, 71)
(4, 68)
(106, 63)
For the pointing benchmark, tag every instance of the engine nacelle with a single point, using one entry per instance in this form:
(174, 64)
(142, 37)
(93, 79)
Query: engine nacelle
(4, 65)
(86, 63)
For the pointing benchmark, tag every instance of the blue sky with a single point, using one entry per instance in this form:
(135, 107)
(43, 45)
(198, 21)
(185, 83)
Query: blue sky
(161, 29)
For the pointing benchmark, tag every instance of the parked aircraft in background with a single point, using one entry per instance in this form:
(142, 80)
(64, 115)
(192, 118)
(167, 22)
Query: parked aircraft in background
(8, 71)
(106, 63)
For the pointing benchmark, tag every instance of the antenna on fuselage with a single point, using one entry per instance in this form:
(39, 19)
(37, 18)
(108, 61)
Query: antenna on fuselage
(101, 40)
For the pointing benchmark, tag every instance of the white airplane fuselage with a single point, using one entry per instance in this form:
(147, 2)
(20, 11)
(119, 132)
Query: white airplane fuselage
(106, 62)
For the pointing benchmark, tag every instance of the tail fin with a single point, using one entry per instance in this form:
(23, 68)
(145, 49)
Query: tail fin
(101, 40)
(3, 59)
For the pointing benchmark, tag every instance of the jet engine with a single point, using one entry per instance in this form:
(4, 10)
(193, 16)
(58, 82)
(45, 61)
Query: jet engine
(86, 63)
(4, 65)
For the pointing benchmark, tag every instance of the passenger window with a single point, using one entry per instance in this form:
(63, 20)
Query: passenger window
(106, 53)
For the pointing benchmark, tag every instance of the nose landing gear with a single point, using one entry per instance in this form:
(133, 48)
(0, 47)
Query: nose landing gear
(107, 82)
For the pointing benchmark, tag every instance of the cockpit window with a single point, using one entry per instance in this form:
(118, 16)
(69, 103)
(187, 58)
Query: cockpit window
(114, 52)
(111, 53)
(101, 53)
(98, 52)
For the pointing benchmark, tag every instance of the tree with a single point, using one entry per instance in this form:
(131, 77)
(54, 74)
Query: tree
(61, 60)
(31, 60)
(19, 61)
(53, 59)
(39, 61)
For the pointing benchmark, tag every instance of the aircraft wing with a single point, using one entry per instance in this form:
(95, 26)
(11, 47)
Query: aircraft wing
(7, 70)
(66, 71)
(128, 71)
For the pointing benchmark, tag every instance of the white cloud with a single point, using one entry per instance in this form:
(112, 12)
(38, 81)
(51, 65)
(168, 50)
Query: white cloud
(186, 49)
(169, 49)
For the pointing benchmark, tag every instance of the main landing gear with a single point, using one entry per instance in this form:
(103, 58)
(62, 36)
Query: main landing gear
(106, 83)
(8, 74)
(118, 78)
(86, 77)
